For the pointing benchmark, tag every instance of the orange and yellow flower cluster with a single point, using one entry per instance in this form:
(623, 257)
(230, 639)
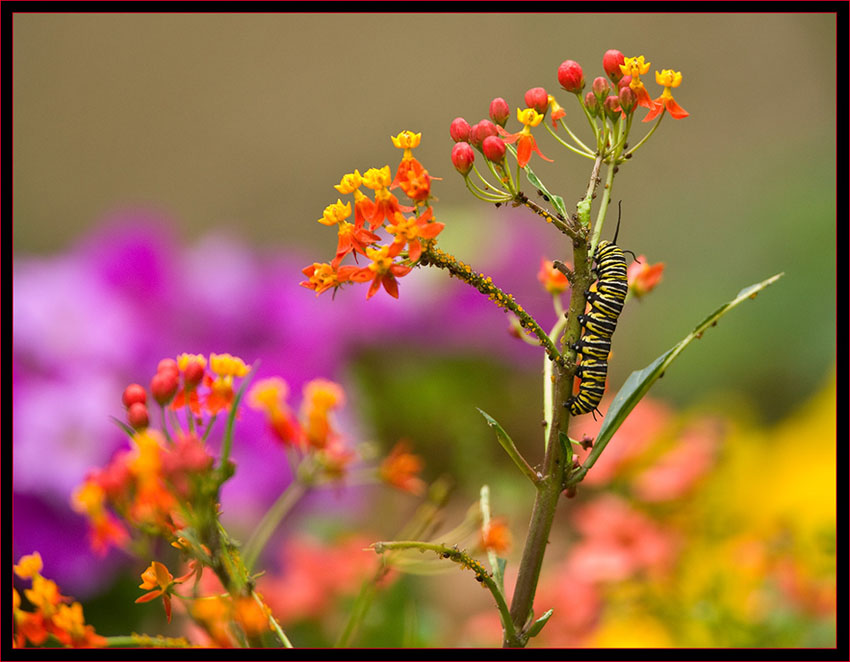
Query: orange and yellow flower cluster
(313, 430)
(53, 614)
(409, 233)
(146, 484)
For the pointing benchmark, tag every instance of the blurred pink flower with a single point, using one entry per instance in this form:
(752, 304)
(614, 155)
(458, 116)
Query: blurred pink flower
(618, 541)
(635, 435)
(678, 470)
(314, 575)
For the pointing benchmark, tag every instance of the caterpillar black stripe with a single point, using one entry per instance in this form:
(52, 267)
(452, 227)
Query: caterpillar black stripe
(606, 304)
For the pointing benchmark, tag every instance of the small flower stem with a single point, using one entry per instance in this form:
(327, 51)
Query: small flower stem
(603, 204)
(645, 138)
(436, 257)
(485, 527)
(593, 126)
(485, 195)
(465, 560)
(227, 441)
(581, 152)
(270, 521)
(273, 624)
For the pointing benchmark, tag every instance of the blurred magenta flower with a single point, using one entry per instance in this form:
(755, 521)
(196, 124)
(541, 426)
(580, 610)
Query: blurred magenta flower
(102, 314)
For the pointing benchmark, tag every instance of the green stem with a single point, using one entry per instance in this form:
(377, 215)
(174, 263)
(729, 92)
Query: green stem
(581, 152)
(275, 626)
(555, 467)
(485, 526)
(559, 223)
(464, 559)
(279, 509)
(146, 641)
(604, 202)
(435, 257)
(645, 138)
(485, 195)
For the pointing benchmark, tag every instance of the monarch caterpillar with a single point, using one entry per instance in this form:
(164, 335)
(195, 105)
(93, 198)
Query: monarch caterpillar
(593, 374)
(606, 304)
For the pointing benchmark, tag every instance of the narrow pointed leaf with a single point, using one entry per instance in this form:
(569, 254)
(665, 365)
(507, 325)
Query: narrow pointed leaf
(509, 446)
(639, 382)
(537, 626)
(557, 200)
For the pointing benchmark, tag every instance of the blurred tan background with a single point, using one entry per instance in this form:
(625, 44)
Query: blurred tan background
(245, 122)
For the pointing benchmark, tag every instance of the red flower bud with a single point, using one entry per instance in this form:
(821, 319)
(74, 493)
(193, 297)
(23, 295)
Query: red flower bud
(459, 130)
(601, 87)
(571, 77)
(611, 62)
(628, 99)
(164, 386)
(494, 149)
(538, 99)
(169, 365)
(611, 106)
(625, 81)
(137, 416)
(480, 131)
(193, 374)
(592, 104)
(463, 157)
(499, 111)
(134, 393)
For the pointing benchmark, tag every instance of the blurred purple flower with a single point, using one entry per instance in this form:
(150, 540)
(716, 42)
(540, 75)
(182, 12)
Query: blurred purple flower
(90, 321)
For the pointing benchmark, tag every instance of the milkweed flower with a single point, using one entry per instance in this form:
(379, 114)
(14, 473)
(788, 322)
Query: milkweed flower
(524, 140)
(401, 468)
(382, 271)
(322, 276)
(635, 67)
(643, 277)
(157, 577)
(386, 204)
(556, 111)
(410, 230)
(364, 206)
(269, 395)
(411, 176)
(496, 537)
(669, 79)
(321, 397)
(552, 280)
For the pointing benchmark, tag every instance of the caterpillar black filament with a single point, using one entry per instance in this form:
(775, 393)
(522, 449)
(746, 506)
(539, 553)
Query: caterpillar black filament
(606, 304)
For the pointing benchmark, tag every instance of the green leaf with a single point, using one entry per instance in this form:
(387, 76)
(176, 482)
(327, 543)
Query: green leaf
(537, 626)
(638, 383)
(509, 446)
(557, 200)
(130, 432)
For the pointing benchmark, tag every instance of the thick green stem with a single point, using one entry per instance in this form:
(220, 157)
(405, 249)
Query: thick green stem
(550, 486)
